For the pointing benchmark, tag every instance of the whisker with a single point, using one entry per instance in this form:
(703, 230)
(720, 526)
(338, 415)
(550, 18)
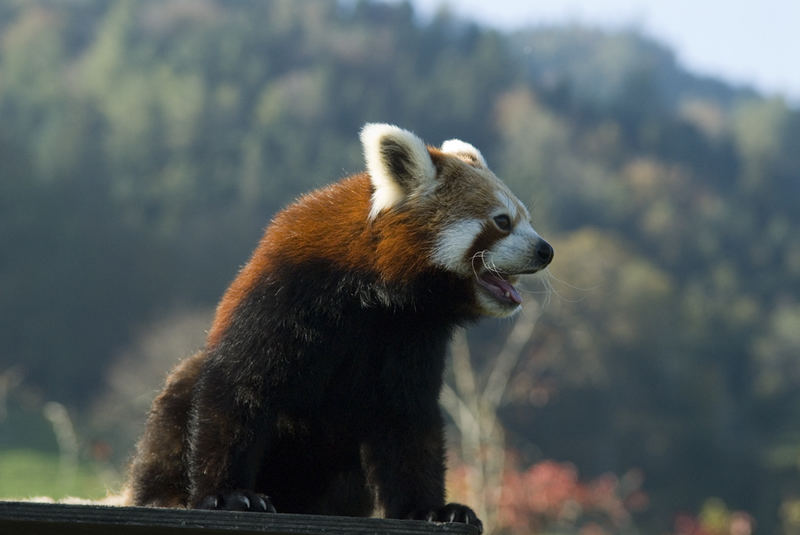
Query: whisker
(487, 265)
(565, 283)
(546, 291)
(492, 267)
(483, 260)
(478, 254)
(546, 279)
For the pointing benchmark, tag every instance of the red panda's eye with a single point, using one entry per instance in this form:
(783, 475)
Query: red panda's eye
(503, 222)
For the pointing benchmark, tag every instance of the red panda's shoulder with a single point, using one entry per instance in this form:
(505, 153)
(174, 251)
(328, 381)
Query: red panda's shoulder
(332, 224)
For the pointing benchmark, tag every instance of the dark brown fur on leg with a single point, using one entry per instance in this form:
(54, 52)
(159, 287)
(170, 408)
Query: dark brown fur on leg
(418, 482)
(227, 438)
(158, 473)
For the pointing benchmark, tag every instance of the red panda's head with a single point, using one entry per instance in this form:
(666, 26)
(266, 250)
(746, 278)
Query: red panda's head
(474, 226)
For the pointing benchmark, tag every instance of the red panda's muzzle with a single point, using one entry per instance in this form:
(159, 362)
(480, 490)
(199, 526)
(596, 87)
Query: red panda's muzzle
(500, 288)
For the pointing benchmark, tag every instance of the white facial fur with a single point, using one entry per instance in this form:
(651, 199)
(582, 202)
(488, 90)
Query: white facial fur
(453, 244)
(512, 253)
(465, 199)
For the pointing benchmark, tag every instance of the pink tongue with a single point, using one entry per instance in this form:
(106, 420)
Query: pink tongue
(501, 288)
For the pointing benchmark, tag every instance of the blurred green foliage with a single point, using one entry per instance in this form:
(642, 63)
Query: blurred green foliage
(144, 145)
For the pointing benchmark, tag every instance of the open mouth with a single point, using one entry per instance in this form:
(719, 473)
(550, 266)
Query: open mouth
(500, 288)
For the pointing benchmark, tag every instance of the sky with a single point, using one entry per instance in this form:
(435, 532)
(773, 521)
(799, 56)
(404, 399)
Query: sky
(753, 43)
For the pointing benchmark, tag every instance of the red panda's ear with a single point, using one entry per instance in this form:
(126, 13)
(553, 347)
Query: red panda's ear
(465, 151)
(398, 164)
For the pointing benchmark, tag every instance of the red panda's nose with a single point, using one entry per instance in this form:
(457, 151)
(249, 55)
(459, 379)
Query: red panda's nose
(541, 257)
(543, 253)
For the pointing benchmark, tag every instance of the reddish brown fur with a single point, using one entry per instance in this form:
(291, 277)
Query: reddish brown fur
(301, 232)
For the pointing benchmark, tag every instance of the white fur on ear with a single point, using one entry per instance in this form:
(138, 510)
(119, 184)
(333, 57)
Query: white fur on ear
(397, 161)
(464, 150)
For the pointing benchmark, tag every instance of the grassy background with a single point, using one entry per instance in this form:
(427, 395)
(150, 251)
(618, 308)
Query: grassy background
(28, 473)
(31, 463)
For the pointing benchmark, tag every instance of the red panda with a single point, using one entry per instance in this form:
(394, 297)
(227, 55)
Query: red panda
(317, 389)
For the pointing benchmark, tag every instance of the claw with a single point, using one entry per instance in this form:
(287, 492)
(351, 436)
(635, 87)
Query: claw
(452, 512)
(239, 500)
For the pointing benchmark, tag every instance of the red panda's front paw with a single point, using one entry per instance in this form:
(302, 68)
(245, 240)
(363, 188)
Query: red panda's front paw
(452, 512)
(238, 500)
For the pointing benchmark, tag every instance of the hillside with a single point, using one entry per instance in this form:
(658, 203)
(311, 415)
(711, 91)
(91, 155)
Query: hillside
(143, 147)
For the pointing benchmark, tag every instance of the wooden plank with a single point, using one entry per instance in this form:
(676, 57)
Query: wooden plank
(26, 518)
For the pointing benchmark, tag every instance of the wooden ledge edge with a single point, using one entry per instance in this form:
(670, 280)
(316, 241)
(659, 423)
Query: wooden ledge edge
(55, 518)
